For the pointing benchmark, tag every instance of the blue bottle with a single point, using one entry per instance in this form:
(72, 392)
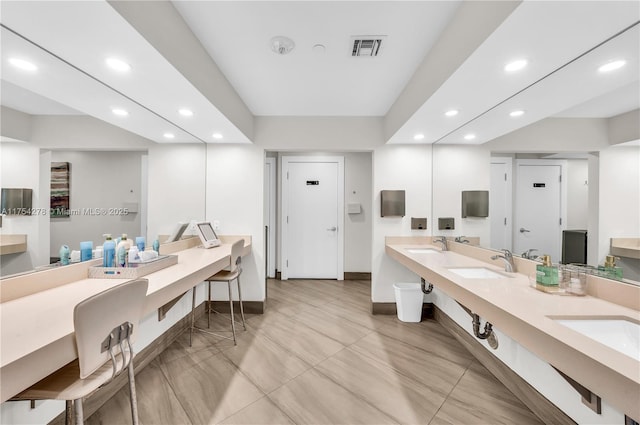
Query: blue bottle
(64, 255)
(140, 243)
(108, 252)
(86, 250)
(156, 246)
(122, 256)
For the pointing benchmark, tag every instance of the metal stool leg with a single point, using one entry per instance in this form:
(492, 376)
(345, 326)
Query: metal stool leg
(77, 406)
(209, 306)
(240, 301)
(132, 394)
(233, 322)
(193, 315)
(68, 412)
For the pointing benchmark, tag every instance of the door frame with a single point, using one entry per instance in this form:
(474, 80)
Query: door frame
(271, 209)
(508, 162)
(284, 208)
(563, 193)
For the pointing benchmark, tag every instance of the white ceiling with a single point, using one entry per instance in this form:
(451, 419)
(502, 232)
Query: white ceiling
(235, 35)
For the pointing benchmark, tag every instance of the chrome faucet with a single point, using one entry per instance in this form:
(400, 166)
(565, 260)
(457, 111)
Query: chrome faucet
(461, 239)
(443, 241)
(528, 254)
(509, 265)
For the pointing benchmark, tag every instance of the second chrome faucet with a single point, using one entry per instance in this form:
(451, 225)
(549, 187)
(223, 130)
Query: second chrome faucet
(443, 241)
(507, 256)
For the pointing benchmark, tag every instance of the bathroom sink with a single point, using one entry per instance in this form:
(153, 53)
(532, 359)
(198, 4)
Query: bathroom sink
(422, 251)
(477, 273)
(618, 333)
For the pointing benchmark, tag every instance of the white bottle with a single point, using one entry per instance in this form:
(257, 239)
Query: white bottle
(133, 255)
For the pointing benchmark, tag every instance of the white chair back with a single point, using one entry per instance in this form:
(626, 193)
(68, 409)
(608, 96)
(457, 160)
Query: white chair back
(236, 254)
(106, 319)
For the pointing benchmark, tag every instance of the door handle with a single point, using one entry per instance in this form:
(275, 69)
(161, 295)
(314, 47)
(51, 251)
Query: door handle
(333, 229)
(523, 230)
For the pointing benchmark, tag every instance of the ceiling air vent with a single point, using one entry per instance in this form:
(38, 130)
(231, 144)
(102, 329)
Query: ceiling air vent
(367, 46)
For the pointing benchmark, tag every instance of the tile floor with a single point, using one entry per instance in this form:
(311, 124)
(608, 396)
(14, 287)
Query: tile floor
(319, 357)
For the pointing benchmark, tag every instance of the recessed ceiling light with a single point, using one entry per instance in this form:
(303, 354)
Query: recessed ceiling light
(217, 136)
(23, 64)
(470, 136)
(451, 113)
(516, 65)
(185, 112)
(120, 112)
(169, 135)
(612, 66)
(118, 65)
(418, 136)
(517, 113)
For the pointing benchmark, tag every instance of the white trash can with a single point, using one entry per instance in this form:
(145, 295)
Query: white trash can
(408, 301)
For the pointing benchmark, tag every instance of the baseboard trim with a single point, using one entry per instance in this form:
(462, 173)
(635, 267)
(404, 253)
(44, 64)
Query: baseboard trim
(357, 276)
(142, 359)
(250, 307)
(391, 309)
(548, 412)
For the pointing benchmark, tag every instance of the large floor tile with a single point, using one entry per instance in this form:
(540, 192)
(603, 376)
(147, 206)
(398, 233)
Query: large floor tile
(262, 412)
(335, 327)
(400, 397)
(306, 343)
(437, 373)
(211, 390)
(267, 364)
(312, 398)
(479, 398)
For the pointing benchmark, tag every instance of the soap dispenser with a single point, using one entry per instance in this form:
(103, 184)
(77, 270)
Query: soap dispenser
(546, 273)
(610, 269)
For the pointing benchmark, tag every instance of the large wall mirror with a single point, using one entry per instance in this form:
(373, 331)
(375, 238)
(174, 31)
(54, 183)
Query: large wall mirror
(119, 179)
(570, 179)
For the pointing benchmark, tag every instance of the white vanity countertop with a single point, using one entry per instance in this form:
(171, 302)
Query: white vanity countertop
(525, 314)
(37, 334)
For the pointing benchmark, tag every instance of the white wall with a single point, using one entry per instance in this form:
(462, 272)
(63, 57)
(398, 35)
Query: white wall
(398, 167)
(20, 165)
(619, 200)
(235, 175)
(457, 168)
(99, 181)
(176, 186)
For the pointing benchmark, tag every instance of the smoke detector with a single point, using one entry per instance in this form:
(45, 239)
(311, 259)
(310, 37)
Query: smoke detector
(282, 45)
(367, 45)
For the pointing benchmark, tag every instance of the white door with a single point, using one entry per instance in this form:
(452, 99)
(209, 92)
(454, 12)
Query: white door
(270, 213)
(539, 214)
(500, 203)
(312, 217)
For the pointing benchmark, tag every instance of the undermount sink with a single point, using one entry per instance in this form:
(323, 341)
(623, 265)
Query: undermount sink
(422, 251)
(618, 333)
(477, 273)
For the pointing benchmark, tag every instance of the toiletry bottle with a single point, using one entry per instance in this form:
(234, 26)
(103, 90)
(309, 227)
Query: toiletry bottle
(133, 255)
(86, 250)
(546, 273)
(140, 243)
(64, 255)
(156, 246)
(121, 251)
(610, 269)
(108, 252)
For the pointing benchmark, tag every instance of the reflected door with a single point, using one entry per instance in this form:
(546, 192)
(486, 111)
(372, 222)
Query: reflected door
(500, 203)
(538, 208)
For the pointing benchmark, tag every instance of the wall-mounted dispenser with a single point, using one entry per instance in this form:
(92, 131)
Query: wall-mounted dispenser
(475, 203)
(418, 223)
(16, 201)
(446, 223)
(392, 203)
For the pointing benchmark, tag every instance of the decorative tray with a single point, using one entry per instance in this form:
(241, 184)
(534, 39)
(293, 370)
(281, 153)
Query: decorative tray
(133, 270)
